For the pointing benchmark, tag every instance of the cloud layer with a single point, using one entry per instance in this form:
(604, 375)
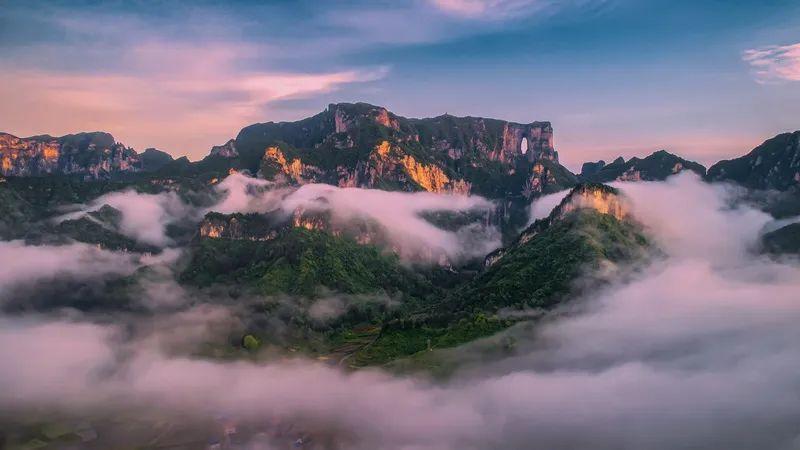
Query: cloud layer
(697, 351)
(144, 216)
(774, 63)
(399, 215)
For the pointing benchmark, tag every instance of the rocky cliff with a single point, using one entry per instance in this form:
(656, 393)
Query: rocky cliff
(93, 155)
(362, 145)
(597, 198)
(775, 164)
(589, 233)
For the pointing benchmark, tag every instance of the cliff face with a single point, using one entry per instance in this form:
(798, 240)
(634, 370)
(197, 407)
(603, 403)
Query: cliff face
(596, 198)
(227, 150)
(251, 227)
(775, 164)
(589, 233)
(94, 155)
(361, 145)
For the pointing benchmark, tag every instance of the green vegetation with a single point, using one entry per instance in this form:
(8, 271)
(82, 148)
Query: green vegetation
(539, 272)
(399, 339)
(300, 261)
(251, 343)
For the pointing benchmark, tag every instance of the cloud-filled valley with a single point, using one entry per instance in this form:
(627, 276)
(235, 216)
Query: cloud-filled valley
(399, 225)
(697, 350)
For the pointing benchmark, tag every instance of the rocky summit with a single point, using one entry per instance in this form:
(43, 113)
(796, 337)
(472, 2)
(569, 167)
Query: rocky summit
(655, 167)
(362, 145)
(93, 155)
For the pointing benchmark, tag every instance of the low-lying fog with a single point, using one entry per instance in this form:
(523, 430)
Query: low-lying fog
(698, 350)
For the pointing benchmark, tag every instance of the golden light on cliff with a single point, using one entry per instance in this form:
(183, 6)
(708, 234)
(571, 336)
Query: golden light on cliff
(430, 178)
(383, 148)
(294, 169)
(50, 152)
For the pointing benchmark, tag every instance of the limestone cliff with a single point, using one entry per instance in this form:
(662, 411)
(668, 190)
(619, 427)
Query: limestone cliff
(227, 150)
(362, 145)
(594, 197)
(93, 155)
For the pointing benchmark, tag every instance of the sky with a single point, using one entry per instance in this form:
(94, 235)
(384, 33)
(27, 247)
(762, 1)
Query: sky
(705, 79)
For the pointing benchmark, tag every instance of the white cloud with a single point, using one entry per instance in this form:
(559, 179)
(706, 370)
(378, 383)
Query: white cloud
(24, 264)
(541, 207)
(774, 63)
(144, 216)
(398, 215)
(694, 352)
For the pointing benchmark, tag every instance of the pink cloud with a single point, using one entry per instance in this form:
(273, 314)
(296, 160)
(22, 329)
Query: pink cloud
(775, 62)
(182, 98)
(485, 9)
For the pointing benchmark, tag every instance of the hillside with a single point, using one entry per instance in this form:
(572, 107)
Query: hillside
(588, 232)
(775, 164)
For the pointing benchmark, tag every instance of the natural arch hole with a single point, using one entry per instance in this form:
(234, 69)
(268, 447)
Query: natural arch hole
(523, 146)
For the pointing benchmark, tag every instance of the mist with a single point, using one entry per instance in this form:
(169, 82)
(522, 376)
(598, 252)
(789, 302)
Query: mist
(398, 214)
(144, 216)
(697, 350)
(23, 264)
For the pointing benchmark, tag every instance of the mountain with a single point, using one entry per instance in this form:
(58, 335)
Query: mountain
(587, 236)
(93, 155)
(775, 164)
(589, 228)
(153, 159)
(362, 145)
(658, 166)
(783, 240)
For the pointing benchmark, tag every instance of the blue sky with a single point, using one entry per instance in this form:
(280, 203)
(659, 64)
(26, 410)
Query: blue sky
(705, 79)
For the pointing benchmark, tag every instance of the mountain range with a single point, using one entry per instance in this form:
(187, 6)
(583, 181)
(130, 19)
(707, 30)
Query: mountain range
(361, 145)
(438, 297)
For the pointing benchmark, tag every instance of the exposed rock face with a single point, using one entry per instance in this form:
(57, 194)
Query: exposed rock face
(658, 166)
(293, 170)
(597, 197)
(386, 165)
(589, 169)
(775, 164)
(361, 145)
(347, 117)
(535, 141)
(94, 155)
(226, 150)
(252, 227)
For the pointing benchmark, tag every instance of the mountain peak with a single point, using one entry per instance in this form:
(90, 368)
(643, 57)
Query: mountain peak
(657, 166)
(775, 164)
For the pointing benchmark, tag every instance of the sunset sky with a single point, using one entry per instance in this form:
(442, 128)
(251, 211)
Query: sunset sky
(706, 79)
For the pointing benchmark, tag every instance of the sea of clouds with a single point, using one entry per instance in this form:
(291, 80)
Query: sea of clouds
(697, 350)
